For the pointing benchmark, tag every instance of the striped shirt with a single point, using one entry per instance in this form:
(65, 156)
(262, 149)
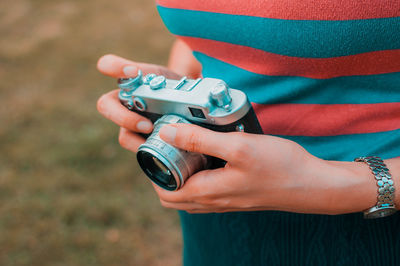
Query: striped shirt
(325, 74)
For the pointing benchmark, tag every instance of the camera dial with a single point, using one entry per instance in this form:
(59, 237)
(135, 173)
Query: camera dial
(148, 78)
(158, 82)
(128, 84)
(220, 96)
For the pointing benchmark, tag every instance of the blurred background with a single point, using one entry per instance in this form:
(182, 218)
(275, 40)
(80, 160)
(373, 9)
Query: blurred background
(69, 195)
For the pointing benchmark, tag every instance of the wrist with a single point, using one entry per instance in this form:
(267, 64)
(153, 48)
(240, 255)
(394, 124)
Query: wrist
(341, 187)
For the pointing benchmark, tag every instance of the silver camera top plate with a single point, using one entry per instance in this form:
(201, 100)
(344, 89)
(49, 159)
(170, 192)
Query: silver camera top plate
(206, 100)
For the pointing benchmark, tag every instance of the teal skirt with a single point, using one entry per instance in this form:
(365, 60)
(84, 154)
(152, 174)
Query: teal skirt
(281, 238)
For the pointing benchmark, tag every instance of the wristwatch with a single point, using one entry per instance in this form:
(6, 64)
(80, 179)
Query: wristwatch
(385, 204)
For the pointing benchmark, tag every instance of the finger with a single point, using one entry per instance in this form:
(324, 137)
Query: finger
(223, 210)
(129, 140)
(202, 188)
(181, 206)
(198, 209)
(228, 146)
(118, 67)
(111, 108)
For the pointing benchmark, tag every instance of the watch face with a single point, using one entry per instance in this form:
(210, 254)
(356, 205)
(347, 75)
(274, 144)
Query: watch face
(379, 212)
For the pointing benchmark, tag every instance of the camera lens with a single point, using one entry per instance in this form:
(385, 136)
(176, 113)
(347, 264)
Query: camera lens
(165, 165)
(157, 171)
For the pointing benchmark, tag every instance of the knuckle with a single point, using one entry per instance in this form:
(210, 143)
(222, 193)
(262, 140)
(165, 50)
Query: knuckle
(125, 121)
(128, 121)
(122, 139)
(206, 200)
(163, 203)
(223, 203)
(101, 103)
(166, 197)
(194, 142)
(246, 205)
(166, 204)
(241, 149)
(171, 198)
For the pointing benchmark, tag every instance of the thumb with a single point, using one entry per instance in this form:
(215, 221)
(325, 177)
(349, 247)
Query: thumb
(194, 138)
(118, 67)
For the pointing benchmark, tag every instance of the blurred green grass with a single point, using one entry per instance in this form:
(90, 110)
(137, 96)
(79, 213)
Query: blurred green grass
(69, 195)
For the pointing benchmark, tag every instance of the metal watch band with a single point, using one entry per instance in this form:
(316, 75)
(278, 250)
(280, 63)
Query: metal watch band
(385, 204)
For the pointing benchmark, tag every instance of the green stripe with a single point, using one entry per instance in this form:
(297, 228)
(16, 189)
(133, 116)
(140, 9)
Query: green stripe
(299, 38)
(347, 147)
(265, 89)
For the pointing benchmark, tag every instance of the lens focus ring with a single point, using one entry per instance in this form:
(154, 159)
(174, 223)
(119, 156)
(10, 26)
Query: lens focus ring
(163, 162)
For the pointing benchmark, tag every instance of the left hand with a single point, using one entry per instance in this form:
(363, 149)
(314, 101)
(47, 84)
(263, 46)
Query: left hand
(262, 173)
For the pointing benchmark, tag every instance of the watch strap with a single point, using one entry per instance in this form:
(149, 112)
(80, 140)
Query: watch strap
(385, 199)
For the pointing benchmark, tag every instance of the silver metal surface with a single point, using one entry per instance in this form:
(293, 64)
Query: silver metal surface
(148, 78)
(385, 200)
(127, 84)
(194, 84)
(180, 83)
(240, 128)
(379, 212)
(191, 93)
(158, 82)
(182, 164)
(130, 104)
(139, 104)
(220, 96)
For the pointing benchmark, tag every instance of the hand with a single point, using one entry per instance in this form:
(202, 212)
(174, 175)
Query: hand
(110, 107)
(262, 173)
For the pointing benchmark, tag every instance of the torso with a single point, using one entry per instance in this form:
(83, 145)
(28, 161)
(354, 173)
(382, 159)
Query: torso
(325, 74)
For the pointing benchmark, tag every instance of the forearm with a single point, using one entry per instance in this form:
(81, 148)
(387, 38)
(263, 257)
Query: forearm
(344, 187)
(269, 173)
(182, 61)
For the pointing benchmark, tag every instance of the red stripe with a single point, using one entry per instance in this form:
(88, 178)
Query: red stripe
(327, 120)
(294, 9)
(265, 63)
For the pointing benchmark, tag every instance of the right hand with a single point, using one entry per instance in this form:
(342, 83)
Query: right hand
(110, 107)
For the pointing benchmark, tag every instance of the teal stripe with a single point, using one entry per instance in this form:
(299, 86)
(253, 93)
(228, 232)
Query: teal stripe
(299, 38)
(281, 89)
(347, 147)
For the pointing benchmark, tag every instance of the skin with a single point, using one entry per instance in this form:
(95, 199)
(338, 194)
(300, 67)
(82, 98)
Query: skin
(276, 174)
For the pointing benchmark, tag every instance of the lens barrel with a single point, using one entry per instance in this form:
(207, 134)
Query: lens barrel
(164, 164)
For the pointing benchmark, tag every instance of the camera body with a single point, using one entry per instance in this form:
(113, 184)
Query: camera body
(207, 102)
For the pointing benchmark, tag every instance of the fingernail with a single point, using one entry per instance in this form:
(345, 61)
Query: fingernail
(168, 133)
(144, 126)
(130, 71)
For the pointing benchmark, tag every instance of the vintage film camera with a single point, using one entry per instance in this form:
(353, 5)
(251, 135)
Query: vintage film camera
(207, 102)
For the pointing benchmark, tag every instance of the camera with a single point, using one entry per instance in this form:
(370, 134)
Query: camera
(206, 102)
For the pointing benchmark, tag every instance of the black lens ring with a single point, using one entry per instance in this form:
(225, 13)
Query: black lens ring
(146, 162)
